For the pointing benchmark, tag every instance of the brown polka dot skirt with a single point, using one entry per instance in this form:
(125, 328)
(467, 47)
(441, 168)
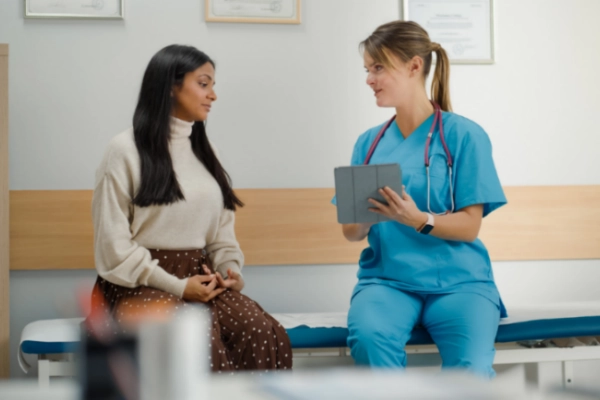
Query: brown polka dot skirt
(243, 335)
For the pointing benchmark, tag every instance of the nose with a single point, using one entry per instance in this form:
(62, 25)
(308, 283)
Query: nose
(370, 80)
(212, 96)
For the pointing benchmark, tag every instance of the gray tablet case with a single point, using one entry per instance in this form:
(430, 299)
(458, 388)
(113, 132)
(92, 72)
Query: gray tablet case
(355, 185)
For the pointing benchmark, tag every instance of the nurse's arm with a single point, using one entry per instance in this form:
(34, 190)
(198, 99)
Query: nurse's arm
(462, 225)
(356, 232)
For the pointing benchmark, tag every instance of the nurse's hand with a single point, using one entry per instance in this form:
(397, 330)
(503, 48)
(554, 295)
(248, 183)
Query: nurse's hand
(400, 208)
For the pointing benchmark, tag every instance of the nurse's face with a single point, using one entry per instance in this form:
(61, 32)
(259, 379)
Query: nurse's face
(392, 87)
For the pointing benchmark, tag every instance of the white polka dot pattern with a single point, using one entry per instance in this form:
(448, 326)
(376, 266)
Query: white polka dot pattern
(256, 341)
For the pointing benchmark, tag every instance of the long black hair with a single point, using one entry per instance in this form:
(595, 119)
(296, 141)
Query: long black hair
(151, 129)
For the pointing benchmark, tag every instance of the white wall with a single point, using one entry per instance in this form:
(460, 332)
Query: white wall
(292, 100)
(288, 94)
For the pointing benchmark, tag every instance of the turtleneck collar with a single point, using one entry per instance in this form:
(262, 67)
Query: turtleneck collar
(180, 129)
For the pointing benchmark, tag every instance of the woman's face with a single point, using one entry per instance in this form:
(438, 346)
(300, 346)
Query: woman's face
(194, 97)
(393, 87)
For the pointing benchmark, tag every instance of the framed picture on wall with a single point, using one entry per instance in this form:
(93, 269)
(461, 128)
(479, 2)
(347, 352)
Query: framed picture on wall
(94, 9)
(253, 11)
(464, 28)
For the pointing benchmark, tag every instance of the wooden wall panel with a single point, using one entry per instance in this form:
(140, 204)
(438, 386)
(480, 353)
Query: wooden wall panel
(545, 223)
(292, 226)
(53, 229)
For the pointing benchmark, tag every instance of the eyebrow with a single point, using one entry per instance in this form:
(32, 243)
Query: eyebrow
(206, 75)
(373, 63)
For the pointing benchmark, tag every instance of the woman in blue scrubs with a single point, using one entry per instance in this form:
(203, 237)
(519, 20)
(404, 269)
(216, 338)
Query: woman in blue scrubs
(426, 267)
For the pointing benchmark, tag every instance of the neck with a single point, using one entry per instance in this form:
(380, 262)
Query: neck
(179, 114)
(410, 116)
(179, 128)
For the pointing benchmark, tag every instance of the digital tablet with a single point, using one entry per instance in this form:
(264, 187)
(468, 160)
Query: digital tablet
(355, 185)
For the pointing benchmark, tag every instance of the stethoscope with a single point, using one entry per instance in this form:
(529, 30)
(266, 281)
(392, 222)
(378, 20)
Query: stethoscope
(437, 120)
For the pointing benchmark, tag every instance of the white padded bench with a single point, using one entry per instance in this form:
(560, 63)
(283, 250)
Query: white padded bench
(54, 342)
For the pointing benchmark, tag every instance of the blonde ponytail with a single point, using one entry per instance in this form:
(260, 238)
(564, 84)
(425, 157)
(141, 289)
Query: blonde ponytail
(440, 84)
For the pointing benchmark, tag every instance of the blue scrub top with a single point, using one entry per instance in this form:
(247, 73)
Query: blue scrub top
(401, 257)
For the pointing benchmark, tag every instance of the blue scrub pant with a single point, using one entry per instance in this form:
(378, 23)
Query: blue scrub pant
(462, 325)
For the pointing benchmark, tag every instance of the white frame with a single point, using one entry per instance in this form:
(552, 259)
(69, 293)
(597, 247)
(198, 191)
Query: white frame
(404, 16)
(506, 353)
(297, 19)
(60, 365)
(4, 217)
(34, 14)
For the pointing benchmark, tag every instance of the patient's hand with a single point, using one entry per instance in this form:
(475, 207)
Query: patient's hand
(234, 280)
(202, 288)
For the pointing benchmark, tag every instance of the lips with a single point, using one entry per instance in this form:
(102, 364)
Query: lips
(377, 92)
(207, 107)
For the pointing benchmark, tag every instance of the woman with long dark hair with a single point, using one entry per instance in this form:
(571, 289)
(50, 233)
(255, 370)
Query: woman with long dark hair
(164, 211)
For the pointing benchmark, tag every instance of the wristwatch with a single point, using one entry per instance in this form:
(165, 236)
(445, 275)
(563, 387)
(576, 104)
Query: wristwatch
(425, 229)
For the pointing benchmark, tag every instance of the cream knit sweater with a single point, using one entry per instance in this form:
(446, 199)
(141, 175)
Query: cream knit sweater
(123, 233)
